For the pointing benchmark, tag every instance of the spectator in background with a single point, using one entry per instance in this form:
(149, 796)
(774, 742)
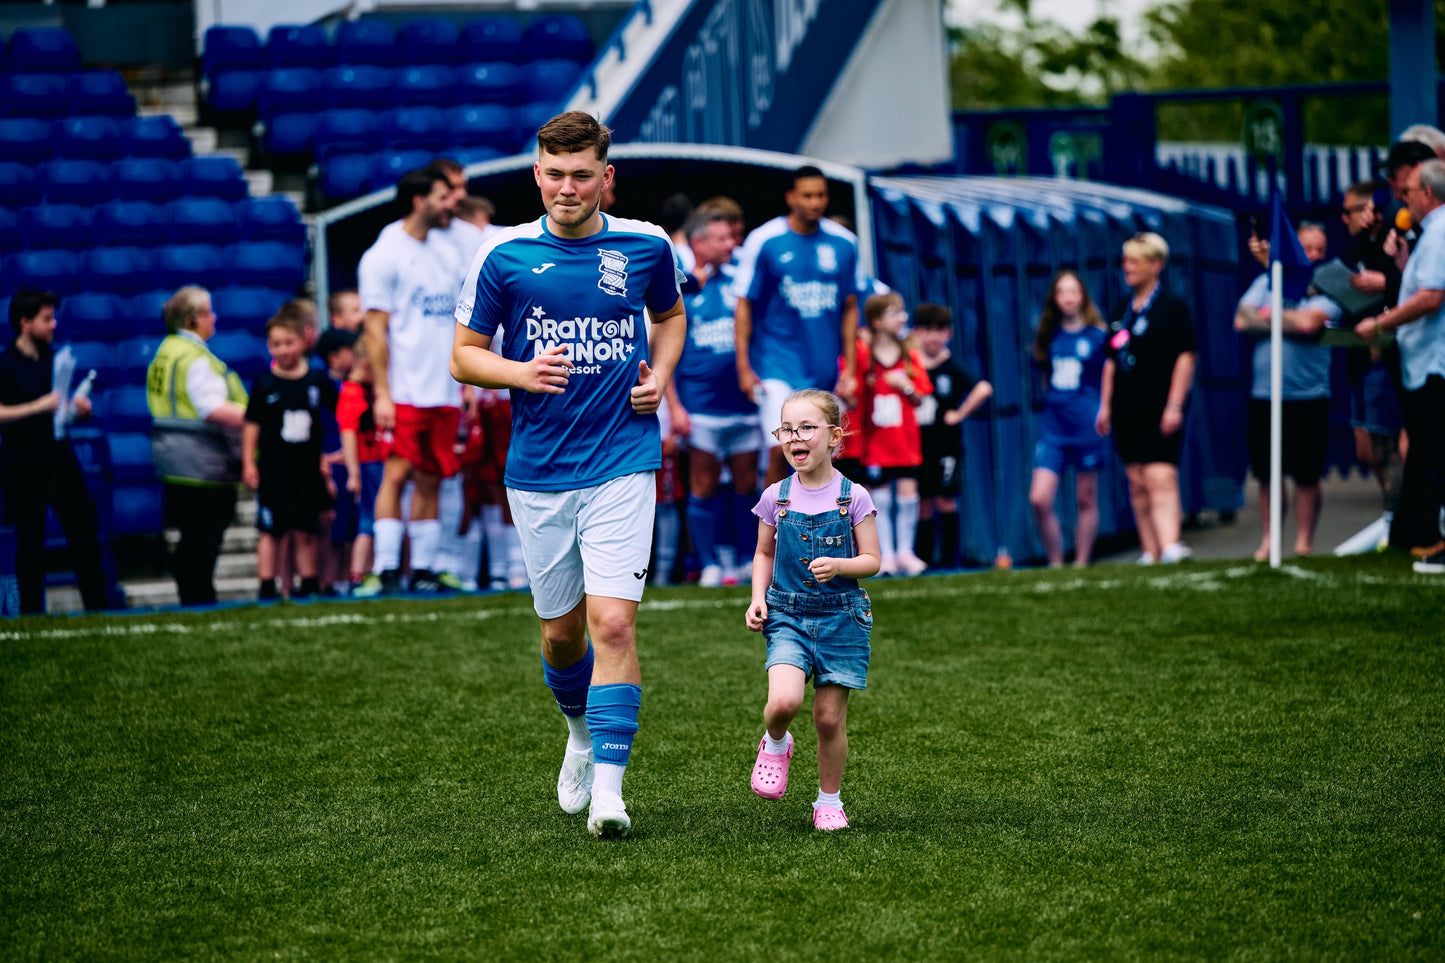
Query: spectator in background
(733, 212)
(956, 396)
(892, 382)
(36, 467)
(797, 310)
(1305, 417)
(290, 476)
(337, 349)
(720, 422)
(1419, 325)
(364, 453)
(1144, 392)
(198, 406)
(345, 310)
(1070, 352)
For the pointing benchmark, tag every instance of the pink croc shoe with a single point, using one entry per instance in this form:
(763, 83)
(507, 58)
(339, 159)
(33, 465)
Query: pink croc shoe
(829, 818)
(770, 772)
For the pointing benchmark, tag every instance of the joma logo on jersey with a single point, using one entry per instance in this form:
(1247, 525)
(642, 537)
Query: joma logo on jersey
(613, 268)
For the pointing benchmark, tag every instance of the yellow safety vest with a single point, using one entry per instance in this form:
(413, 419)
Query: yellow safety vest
(187, 449)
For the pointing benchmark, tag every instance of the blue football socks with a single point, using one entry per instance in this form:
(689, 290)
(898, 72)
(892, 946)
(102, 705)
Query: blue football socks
(570, 685)
(612, 720)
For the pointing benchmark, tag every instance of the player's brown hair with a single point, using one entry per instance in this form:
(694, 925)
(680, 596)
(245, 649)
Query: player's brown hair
(573, 132)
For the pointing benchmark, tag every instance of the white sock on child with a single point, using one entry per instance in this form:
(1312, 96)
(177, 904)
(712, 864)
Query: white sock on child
(387, 544)
(907, 523)
(426, 537)
(828, 799)
(776, 747)
(883, 501)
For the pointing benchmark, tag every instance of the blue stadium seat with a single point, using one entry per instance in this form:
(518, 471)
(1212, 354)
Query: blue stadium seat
(43, 50)
(243, 308)
(369, 40)
(388, 166)
(348, 130)
(97, 355)
(359, 85)
(493, 82)
(130, 456)
(93, 138)
(25, 139)
(159, 135)
(17, 184)
(272, 218)
(129, 222)
(55, 226)
(48, 270)
(100, 92)
(213, 175)
(481, 125)
(551, 80)
(299, 45)
(233, 91)
(146, 311)
(430, 40)
(123, 269)
(177, 265)
(529, 118)
(559, 35)
(426, 84)
(124, 408)
(270, 264)
(244, 353)
(9, 238)
(289, 133)
(205, 220)
(94, 316)
(232, 48)
(345, 175)
(33, 95)
(290, 89)
(74, 181)
(467, 156)
(417, 128)
(494, 38)
(137, 509)
(133, 356)
(145, 178)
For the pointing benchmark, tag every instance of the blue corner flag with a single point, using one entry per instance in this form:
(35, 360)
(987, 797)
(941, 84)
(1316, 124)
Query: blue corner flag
(1284, 246)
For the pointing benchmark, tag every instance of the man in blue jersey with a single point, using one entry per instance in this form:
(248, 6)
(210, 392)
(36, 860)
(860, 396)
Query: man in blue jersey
(721, 423)
(797, 310)
(574, 291)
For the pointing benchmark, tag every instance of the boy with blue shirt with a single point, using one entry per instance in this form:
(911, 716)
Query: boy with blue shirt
(574, 291)
(1305, 393)
(797, 310)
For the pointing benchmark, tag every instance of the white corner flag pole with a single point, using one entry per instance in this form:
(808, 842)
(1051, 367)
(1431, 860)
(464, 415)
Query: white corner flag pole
(1276, 389)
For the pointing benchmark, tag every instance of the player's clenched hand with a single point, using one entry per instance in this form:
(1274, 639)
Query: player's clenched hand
(547, 372)
(757, 615)
(646, 395)
(383, 412)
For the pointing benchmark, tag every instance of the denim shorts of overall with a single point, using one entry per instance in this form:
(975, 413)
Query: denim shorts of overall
(820, 627)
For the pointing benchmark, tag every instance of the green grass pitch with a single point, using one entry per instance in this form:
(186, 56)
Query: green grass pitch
(1207, 761)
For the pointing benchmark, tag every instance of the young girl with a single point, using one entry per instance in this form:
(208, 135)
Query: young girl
(892, 383)
(816, 538)
(1069, 350)
(364, 450)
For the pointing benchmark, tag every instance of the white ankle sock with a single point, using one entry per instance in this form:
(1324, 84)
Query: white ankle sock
(777, 747)
(607, 778)
(828, 799)
(387, 544)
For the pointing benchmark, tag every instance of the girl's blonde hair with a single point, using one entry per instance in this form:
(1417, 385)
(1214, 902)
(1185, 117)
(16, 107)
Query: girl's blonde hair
(1149, 246)
(873, 309)
(826, 402)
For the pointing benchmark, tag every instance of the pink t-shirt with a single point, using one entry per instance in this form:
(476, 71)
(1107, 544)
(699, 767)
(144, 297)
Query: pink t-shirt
(814, 501)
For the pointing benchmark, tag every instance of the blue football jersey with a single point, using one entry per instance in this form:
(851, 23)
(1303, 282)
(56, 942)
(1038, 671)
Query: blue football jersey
(798, 285)
(707, 374)
(1075, 376)
(591, 296)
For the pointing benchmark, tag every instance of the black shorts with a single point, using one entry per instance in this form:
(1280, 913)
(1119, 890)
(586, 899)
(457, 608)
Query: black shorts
(1304, 439)
(292, 509)
(941, 476)
(1138, 441)
(874, 475)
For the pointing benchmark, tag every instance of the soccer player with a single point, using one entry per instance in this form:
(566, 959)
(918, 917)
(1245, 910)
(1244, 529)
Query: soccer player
(408, 284)
(797, 310)
(574, 291)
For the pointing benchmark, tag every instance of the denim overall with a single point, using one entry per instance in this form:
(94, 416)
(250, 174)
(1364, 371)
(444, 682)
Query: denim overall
(820, 627)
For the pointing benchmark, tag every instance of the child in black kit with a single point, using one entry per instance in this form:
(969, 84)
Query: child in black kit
(282, 453)
(956, 395)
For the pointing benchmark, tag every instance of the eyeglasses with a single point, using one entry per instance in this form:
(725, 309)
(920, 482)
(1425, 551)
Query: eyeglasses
(801, 432)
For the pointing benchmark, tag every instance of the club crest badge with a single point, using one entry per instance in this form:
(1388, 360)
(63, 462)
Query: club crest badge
(827, 258)
(613, 268)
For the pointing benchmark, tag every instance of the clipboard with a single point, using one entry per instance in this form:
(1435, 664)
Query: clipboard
(1332, 279)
